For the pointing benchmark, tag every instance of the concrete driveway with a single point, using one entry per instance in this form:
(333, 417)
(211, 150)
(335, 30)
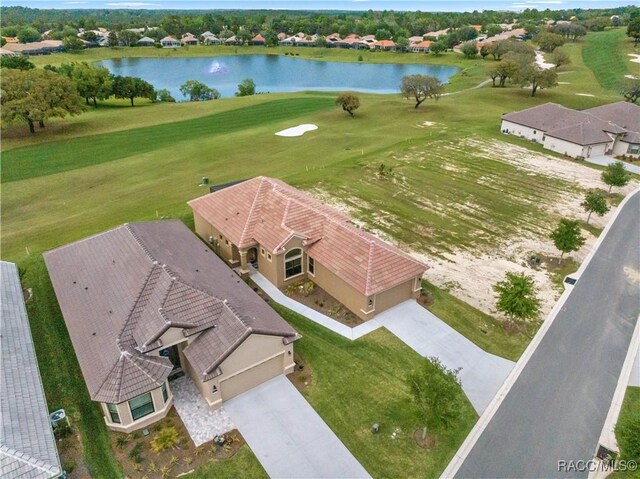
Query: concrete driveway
(287, 436)
(605, 160)
(482, 373)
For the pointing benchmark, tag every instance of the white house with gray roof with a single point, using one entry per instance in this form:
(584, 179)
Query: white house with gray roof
(612, 129)
(27, 444)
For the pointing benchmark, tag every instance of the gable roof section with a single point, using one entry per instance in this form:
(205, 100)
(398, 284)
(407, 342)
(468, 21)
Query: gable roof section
(27, 445)
(546, 117)
(119, 291)
(269, 212)
(623, 113)
(587, 133)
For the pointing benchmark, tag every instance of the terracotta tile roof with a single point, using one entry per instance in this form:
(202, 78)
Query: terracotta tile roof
(385, 43)
(119, 291)
(269, 212)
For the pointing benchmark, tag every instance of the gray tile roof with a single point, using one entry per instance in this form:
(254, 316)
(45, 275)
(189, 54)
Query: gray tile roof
(622, 113)
(27, 445)
(580, 127)
(119, 291)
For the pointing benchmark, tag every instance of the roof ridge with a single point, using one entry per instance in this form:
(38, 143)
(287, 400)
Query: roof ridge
(251, 210)
(28, 459)
(139, 241)
(369, 268)
(136, 302)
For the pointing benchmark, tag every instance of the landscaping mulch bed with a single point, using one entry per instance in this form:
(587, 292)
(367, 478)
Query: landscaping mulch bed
(427, 443)
(70, 452)
(302, 376)
(321, 301)
(138, 460)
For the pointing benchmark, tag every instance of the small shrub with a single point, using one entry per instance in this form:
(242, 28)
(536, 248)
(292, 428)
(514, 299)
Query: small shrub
(62, 430)
(302, 378)
(360, 58)
(187, 460)
(69, 465)
(122, 440)
(136, 453)
(165, 439)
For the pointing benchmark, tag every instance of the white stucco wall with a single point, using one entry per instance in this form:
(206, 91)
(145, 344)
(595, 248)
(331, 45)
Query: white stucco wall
(523, 131)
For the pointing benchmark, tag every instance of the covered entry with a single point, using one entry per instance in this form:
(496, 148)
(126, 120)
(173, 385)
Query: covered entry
(251, 377)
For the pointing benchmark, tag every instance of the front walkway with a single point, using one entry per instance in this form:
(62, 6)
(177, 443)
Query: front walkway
(482, 373)
(606, 160)
(287, 436)
(202, 422)
(336, 326)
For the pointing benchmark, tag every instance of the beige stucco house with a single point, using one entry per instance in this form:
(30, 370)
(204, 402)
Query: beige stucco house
(612, 129)
(146, 302)
(289, 236)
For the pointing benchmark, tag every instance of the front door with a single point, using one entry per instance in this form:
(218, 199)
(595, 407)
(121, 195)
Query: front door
(174, 356)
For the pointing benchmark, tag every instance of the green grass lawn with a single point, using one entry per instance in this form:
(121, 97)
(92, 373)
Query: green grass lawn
(605, 53)
(358, 383)
(630, 409)
(243, 464)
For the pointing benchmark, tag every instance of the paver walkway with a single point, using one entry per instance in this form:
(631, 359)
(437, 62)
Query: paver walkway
(482, 373)
(202, 422)
(287, 436)
(336, 326)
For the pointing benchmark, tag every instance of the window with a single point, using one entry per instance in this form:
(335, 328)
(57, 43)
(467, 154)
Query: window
(226, 242)
(165, 393)
(311, 266)
(269, 256)
(293, 263)
(633, 149)
(262, 251)
(141, 406)
(113, 412)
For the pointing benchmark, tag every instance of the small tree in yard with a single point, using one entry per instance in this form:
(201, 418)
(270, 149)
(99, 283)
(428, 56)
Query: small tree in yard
(594, 202)
(630, 89)
(470, 50)
(437, 48)
(421, 87)
(567, 237)
(436, 391)
(559, 58)
(349, 102)
(531, 75)
(517, 297)
(246, 87)
(615, 174)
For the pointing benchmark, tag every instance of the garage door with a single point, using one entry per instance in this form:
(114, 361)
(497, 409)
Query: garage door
(251, 377)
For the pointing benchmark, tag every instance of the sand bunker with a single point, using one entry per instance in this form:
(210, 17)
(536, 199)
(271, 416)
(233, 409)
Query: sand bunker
(635, 57)
(584, 94)
(297, 130)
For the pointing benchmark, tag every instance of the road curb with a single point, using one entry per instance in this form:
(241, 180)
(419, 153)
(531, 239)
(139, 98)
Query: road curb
(471, 439)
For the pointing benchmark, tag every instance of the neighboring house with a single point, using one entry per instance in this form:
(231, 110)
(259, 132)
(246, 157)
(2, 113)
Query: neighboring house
(387, 45)
(332, 39)
(233, 40)
(415, 39)
(281, 36)
(45, 47)
(145, 302)
(290, 236)
(189, 39)
(518, 34)
(350, 41)
(170, 42)
(146, 42)
(420, 47)
(8, 53)
(27, 444)
(437, 34)
(257, 40)
(288, 41)
(609, 129)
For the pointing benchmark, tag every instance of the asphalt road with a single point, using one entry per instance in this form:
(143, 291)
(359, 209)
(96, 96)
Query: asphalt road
(557, 407)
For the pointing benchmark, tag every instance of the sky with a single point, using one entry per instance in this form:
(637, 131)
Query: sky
(400, 5)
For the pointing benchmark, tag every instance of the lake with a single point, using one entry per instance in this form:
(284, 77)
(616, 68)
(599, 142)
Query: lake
(272, 73)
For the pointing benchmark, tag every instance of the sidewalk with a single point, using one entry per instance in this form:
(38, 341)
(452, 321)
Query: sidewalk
(311, 314)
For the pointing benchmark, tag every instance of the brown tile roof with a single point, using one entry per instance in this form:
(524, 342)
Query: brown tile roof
(119, 291)
(587, 133)
(269, 212)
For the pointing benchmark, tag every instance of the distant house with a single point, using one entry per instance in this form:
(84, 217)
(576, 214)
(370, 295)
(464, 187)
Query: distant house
(282, 36)
(350, 41)
(421, 47)
(436, 34)
(7, 53)
(232, 40)
(288, 41)
(189, 39)
(44, 47)
(415, 39)
(27, 444)
(386, 45)
(209, 38)
(257, 40)
(477, 28)
(612, 129)
(332, 39)
(146, 42)
(170, 42)
(290, 236)
(147, 302)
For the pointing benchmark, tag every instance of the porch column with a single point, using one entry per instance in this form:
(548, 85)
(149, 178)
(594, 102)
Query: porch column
(243, 262)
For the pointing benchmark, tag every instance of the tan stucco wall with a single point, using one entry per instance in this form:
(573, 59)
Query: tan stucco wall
(255, 350)
(622, 148)
(127, 424)
(205, 230)
(350, 297)
(399, 293)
